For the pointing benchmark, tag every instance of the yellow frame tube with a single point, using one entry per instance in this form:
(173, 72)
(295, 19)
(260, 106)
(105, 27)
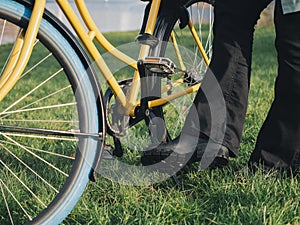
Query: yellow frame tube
(92, 49)
(89, 22)
(18, 63)
(198, 42)
(177, 51)
(164, 100)
(144, 51)
(13, 58)
(155, 5)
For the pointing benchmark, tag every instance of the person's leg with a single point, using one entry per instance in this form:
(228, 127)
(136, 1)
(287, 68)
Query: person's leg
(220, 104)
(278, 143)
(230, 66)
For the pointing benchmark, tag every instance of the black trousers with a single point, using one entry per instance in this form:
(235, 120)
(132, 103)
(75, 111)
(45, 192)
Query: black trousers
(231, 68)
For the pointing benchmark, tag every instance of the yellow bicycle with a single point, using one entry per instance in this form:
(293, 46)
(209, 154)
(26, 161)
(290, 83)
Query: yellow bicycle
(54, 112)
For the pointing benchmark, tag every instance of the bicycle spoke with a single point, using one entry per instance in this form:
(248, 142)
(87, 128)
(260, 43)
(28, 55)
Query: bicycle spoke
(29, 168)
(6, 204)
(35, 102)
(46, 97)
(177, 125)
(42, 151)
(22, 183)
(40, 137)
(36, 64)
(33, 90)
(33, 154)
(16, 200)
(40, 121)
(38, 108)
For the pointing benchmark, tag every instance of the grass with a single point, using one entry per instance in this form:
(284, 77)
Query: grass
(207, 197)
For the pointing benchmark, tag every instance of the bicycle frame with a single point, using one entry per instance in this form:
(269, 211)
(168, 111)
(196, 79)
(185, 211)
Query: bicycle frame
(24, 45)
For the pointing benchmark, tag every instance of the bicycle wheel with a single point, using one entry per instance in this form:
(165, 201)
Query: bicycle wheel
(44, 166)
(179, 45)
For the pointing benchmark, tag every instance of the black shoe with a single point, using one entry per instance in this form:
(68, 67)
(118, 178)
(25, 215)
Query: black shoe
(186, 150)
(174, 154)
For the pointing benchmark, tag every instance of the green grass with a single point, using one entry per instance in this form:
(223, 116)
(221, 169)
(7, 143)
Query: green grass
(208, 197)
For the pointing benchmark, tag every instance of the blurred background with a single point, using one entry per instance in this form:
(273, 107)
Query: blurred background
(126, 15)
(110, 15)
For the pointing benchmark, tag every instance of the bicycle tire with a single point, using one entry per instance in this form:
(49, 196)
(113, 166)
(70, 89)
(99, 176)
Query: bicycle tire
(43, 175)
(201, 14)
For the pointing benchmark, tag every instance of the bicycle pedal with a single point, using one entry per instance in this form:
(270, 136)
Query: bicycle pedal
(159, 65)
